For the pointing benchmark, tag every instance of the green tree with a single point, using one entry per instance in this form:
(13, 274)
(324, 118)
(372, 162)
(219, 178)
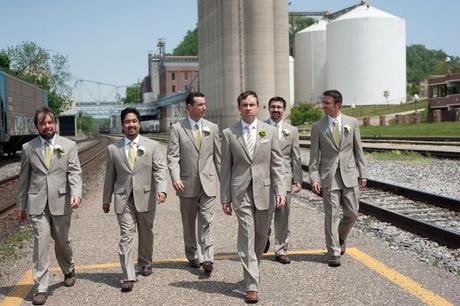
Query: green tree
(87, 124)
(189, 45)
(296, 24)
(413, 89)
(133, 94)
(4, 61)
(305, 112)
(49, 71)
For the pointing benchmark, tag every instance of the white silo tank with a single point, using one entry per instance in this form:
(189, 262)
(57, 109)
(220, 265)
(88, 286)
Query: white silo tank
(291, 81)
(310, 63)
(366, 55)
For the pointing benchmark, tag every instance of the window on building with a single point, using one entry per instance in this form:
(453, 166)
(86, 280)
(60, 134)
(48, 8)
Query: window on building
(173, 76)
(185, 75)
(173, 88)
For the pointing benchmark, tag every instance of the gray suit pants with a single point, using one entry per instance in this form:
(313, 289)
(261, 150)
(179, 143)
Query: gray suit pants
(335, 197)
(197, 220)
(281, 225)
(45, 227)
(253, 227)
(128, 220)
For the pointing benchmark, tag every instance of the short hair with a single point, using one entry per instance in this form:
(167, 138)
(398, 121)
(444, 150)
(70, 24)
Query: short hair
(246, 94)
(45, 111)
(277, 99)
(130, 110)
(189, 99)
(334, 94)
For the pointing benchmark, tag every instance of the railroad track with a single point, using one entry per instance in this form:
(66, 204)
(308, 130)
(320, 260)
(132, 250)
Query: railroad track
(8, 186)
(422, 213)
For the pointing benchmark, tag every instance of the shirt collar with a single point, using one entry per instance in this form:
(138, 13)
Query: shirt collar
(280, 123)
(338, 118)
(193, 122)
(253, 125)
(136, 140)
(51, 141)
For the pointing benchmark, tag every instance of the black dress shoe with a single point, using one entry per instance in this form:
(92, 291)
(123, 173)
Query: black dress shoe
(194, 263)
(39, 298)
(334, 261)
(284, 259)
(127, 286)
(267, 244)
(251, 297)
(146, 270)
(69, 279)
(207, 267)
(343, 247)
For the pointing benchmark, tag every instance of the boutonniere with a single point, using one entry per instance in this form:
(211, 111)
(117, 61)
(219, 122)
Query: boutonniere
(262, 133)
(58, 150)
(140, 150)
(206, 130)
(285, 132)
(347, 128)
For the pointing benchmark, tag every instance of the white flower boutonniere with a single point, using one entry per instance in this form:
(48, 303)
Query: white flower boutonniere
(58, 150)
(140, 150)
(347, 128)
(262, 133)
(206, 130)
(285, 132)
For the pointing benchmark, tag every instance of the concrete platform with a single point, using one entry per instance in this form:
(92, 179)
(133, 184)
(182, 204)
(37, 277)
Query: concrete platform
(371, 274)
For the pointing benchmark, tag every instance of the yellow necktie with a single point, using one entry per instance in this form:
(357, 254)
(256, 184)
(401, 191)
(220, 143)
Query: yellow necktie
(48, 154)
(131, 156)
(335, 132)
(197, 135)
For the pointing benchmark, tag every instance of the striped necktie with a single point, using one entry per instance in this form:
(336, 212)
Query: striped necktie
(48, 154)
(250, 142)
(131, 155)
(335, 132)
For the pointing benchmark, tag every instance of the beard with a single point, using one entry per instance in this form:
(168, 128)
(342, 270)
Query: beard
(47, 135)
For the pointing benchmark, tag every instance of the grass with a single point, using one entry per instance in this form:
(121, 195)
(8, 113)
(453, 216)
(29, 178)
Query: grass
(381, 109)
(400, 156)
(14, 241)
(450, 128)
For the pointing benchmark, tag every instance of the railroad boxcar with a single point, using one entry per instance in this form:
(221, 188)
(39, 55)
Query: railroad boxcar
(18, 102)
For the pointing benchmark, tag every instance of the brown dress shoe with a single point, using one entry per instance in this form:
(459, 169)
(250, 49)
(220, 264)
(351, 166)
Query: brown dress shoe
(334, 261)
(146, 271)
(39, 298)
(194, 263)
(284, 259)
(343, 247)
(69, 278)
(207, 267)
(251, 297)
(127, 286)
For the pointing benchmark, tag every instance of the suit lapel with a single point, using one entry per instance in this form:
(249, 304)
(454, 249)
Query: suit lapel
(57, 141)
(238, 130)
(328, 131)
(188, 130)
(257, 144)
(121, 150)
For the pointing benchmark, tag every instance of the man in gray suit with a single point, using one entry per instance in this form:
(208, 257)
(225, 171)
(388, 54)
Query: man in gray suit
(289, 142)
(136, 176)
(252, 169)
(337, 171)
(194, 164)
(49, 188)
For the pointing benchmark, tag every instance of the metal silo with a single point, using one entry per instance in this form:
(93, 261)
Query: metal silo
(366, 56)
(310, 50)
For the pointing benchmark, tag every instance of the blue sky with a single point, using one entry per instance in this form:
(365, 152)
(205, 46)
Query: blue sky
(108, 41)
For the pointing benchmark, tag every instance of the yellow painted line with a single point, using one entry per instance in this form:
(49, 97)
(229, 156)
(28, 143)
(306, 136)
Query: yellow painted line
(22, 288)
(17, 294)
(426, 296)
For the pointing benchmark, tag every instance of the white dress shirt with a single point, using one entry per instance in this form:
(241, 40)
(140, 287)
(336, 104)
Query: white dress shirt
(51, 142)
(200, 125)
(280, 127)
(128, 142)
(252, 129)
(331, 124)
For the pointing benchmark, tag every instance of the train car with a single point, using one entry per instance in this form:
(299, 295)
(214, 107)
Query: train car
(18, 102)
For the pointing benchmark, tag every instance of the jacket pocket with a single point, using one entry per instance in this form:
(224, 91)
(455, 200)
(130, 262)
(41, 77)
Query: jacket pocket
(267, 183)
(146, 188)
(62, 190)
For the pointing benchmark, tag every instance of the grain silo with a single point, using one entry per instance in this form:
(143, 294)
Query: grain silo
(366, 56)
(310, 63)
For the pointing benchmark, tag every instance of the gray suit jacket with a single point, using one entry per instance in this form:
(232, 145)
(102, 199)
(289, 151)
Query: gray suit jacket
(196, 167)
(55, 185)
(238, 169)
(290, 149)
(147, 178)
(325, 156)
